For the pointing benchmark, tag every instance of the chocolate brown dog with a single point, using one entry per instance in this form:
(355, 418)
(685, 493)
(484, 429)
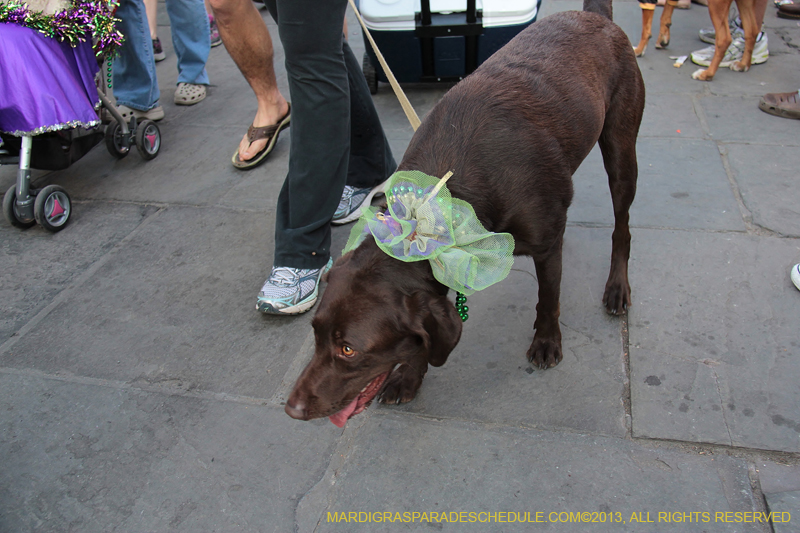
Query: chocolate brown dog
(513, 133)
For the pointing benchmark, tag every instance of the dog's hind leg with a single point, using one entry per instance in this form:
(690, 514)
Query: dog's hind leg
(618, 145)
(748, 16)
(665, 24)
(647, 25)
(545, 351)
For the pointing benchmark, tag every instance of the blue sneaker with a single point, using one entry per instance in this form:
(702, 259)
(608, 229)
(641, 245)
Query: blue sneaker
(354, 201)
(290, 291)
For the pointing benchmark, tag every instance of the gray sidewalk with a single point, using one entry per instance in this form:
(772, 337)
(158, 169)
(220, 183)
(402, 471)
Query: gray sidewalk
(141, 391)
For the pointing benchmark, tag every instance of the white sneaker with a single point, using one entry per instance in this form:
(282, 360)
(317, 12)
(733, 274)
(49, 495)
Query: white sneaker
(796, 275)
(290, 291)
(734, 52)
(354, 201)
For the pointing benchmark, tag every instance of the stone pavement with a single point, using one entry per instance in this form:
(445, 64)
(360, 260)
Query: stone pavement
(141, 391)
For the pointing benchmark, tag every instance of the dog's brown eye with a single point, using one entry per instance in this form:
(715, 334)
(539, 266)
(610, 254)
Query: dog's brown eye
(348, 351)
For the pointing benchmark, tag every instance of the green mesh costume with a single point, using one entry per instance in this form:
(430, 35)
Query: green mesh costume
(425, 223)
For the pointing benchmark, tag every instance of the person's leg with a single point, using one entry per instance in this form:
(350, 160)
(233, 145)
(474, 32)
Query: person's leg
(248, 42)
(311, 33)
(371, 161)
(135, 83)
(189, 23)
(214, 37)
(151, 6)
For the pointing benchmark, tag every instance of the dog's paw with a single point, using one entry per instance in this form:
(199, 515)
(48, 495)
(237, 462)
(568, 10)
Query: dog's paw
(545, 353)
(662, 41)
(617, 298)
(401, 386)
(702, 75)
(738, 66)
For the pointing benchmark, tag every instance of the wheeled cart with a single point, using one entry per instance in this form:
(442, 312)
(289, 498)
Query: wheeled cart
(439, 40)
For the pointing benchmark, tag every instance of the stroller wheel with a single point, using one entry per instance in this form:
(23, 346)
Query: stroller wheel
(52, 208)
(148, 139)
(114, 141)
(11, 212)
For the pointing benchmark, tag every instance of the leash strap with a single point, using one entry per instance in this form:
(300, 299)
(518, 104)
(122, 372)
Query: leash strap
(410, 113)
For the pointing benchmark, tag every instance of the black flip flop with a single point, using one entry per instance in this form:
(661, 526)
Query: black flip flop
(266, 132)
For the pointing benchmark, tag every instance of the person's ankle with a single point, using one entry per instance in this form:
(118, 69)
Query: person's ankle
(269, 114)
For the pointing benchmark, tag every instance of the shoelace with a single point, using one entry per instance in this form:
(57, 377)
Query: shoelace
(347, 197)
(285, 276)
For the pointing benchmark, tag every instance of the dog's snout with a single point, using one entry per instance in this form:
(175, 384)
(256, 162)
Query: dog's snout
(296, 409)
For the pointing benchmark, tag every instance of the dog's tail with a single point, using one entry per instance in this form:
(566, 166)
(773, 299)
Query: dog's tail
(601, 7)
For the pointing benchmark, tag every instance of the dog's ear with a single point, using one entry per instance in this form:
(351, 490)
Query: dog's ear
(338, 263)
(435, 319)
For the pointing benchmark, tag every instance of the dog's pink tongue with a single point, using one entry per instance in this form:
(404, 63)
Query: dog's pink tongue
(340, 419)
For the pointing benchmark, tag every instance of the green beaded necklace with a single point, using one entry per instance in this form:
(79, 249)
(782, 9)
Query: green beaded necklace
(461, 306)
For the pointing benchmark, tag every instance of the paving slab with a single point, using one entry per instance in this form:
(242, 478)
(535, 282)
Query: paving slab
(84, 457)
(188, 172)
(713, 339)
(697, 194)
(672, 115)
(38, 265)
(727, 114)
(487, 377)
(142, 392)
(175, 306)
(785, 507)
(767, 180)
(472, 468)
(775, 477)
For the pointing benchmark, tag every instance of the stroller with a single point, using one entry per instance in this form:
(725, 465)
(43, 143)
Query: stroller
(54, 109)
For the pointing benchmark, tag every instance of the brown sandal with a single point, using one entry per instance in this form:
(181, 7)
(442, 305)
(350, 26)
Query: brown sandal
(786, 105)
(264, 132)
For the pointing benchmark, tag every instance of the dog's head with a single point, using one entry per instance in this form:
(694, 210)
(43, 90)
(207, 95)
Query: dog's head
(376, 313)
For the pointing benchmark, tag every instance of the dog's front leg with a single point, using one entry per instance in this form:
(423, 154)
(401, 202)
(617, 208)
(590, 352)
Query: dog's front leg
(545, 351)
(718, 11)
(403, 383)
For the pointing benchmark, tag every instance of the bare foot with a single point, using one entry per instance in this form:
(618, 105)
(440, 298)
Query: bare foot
(248, 151)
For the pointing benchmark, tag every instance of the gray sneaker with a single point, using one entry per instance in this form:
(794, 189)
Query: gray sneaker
(709, 35)
(734, 52)
(354, 201)
(290, 291)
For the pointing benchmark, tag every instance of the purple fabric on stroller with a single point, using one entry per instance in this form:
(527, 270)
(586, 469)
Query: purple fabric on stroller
(45, 85)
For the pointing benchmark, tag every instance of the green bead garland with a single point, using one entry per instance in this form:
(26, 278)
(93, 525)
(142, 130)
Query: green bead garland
(461, 306)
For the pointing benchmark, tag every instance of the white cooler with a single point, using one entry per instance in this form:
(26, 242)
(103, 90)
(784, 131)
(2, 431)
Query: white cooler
(446, 45)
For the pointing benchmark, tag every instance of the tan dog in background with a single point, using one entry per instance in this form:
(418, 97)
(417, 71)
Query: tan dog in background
(648, 10)
(718, 11)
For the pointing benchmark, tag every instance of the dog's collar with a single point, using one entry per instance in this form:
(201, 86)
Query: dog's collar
(424, 222)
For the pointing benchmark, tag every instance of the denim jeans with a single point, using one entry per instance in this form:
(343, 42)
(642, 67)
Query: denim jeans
(336, 135)
(135, 82)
